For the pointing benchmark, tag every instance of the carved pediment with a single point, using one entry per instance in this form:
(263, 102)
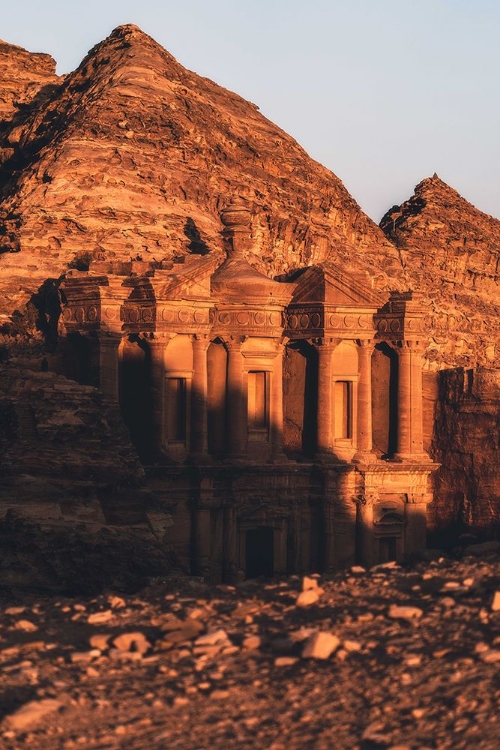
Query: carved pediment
(326, 284)
(189, 280)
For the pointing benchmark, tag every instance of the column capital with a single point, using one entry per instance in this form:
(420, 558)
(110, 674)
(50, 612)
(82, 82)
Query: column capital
(161, 338)
(201, 340)
(407, 346)
(104, 335)
(233, 342)
(366, 345)
(326, 343)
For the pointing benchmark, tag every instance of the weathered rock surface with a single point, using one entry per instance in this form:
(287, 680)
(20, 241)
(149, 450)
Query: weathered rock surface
(451, 251)
(346, 673)
(25, 78)
(466, 429)
(71, 483)
(133, 157)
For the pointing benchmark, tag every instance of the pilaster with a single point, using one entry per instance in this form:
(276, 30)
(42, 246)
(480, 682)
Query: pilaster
(364, 428)
(325, 434)
(199, 390)
(237, 428)
(109, 364)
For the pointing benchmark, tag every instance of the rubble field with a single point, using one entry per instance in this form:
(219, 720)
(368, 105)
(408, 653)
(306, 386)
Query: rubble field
(391, 657)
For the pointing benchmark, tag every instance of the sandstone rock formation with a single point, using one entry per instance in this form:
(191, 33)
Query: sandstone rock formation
(23, 77)
(451, 250)
(68, 473)
(132, 157)
(466, 443)
(123, 167)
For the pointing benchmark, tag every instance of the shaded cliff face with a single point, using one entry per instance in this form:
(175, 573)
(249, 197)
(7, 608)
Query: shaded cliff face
(23, 75)
(451, 250)
(73, 500)
(65, 452)
(133, 157)
(466, 443)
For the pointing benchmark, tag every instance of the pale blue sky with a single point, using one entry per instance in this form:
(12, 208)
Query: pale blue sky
(384, 93)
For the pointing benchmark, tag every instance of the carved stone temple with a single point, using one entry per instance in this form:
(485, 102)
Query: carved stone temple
(280, 422)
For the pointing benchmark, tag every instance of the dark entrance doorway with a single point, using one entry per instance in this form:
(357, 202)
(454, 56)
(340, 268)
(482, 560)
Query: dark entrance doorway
(259, 552)
(136, 396)
(388, 549)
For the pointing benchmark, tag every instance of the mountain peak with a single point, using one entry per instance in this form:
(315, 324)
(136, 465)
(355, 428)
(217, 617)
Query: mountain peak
(134, 157)
(450, 246)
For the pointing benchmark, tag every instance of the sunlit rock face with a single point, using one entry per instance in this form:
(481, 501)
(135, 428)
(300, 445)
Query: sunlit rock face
(451, 251)
(132, 156)
(23, 77)
(120, 185)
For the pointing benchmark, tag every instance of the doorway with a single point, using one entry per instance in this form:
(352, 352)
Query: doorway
(259, 555)
(388, 549)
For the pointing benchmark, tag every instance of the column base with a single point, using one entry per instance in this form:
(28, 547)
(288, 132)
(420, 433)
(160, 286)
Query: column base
(412, 458)
(329, 458)
(365, 457)
(199, 459)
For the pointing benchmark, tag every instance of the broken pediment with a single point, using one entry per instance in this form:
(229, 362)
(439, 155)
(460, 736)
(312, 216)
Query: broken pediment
(326, 284)
(188, 280)
(237, 281)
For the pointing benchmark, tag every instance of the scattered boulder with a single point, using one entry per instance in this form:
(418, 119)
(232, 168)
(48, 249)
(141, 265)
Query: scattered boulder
(320, 646)
(32, 713)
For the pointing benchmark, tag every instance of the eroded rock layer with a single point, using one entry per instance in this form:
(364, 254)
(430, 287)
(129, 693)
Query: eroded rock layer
(72, 493)
(133, 157)
(451, 251)
(467, 495)
(23, 75)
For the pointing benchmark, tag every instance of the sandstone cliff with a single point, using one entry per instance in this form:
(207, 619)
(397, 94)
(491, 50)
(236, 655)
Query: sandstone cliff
(133, 156)
(73, 499)
(451, 250)
(23, 77)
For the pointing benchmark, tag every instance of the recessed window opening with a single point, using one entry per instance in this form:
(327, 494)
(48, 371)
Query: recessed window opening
(176, 409)
(343, 409)
(257, 400)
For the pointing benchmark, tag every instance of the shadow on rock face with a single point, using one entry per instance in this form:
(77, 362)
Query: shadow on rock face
(77, 560)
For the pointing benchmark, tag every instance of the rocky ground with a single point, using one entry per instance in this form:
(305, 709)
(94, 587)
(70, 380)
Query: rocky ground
(387, 658)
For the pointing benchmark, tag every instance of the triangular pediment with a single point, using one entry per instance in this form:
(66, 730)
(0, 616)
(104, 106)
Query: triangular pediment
(325, 284)
(188, 280)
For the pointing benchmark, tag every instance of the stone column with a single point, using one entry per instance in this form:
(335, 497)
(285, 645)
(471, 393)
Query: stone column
(404, 400)
(417, 404)
(230, 564)
(364, 432)
(236, 412)
(416, 521)
(410, 406)
(158, 346)
(329, 536)
(199, 390)
(365, 535)
(276, 405)
(108, 365)
(325, 398)
(202, 542)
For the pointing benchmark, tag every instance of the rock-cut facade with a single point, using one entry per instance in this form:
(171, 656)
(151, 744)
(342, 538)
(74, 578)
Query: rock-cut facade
(281, 421)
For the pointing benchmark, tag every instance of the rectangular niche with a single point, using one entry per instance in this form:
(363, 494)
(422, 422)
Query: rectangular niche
(176, 409)
(342, 394)
(258, 401)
